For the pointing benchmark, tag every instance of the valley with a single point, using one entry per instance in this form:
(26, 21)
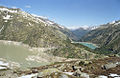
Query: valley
(106, 36)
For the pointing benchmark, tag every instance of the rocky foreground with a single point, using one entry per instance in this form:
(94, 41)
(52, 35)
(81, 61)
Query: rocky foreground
(108, 67)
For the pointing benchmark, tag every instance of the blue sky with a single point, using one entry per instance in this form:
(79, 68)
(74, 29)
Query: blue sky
(71, 13)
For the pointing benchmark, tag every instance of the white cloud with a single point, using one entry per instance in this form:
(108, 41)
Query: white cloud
(27, 6)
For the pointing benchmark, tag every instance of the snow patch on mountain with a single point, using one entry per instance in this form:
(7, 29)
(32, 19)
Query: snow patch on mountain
(93, 28)
(43, 19)
(112, 22)
(31, 17)
(117, 23)
(6, 17)
(46, 20)
(8, 10)
(77, 27)
(85, 27)
(39, 16)
(49, 22)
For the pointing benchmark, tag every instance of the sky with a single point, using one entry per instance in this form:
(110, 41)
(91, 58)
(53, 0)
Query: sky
(70, 13)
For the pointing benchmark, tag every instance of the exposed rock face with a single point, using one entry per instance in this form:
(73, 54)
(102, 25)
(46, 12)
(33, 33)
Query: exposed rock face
(80, 32)
(110, 65)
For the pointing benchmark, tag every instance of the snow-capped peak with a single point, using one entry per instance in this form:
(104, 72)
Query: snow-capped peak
(93, 27)
(89, 27)
(61, 26)
(85, 27)
(117, 23)
(77, 27)
(112, 22)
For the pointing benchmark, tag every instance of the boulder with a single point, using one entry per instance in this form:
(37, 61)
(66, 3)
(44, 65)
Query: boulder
(118, 63)
(85, 63)
(47, 72)
(34, 71)
(77, 68)
(84, 75)
(110, 65)
(77, 73)
(63, 76)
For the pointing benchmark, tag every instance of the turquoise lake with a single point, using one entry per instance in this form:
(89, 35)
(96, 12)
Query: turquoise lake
(90, 45)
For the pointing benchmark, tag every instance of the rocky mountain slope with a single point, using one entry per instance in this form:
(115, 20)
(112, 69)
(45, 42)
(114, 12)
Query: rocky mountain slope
(81, 31)
(20, 26)
(107, 36)
(29, 29)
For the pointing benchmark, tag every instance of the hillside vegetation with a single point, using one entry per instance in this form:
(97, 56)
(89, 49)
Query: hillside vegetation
(17, 25)
(107, 36)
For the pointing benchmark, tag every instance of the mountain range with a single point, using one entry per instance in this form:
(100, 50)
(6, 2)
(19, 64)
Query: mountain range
(81, 31)
(107, 36)
(36, 31)
(28, 41)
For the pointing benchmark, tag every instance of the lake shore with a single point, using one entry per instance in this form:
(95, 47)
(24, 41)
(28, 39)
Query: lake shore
(87, 44)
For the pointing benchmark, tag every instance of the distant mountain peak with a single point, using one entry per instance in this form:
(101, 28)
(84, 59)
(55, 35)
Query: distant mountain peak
(85, 27)
(115, 22)
(112, 22)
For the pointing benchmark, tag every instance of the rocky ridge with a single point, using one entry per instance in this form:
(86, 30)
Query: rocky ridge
(106, 36)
